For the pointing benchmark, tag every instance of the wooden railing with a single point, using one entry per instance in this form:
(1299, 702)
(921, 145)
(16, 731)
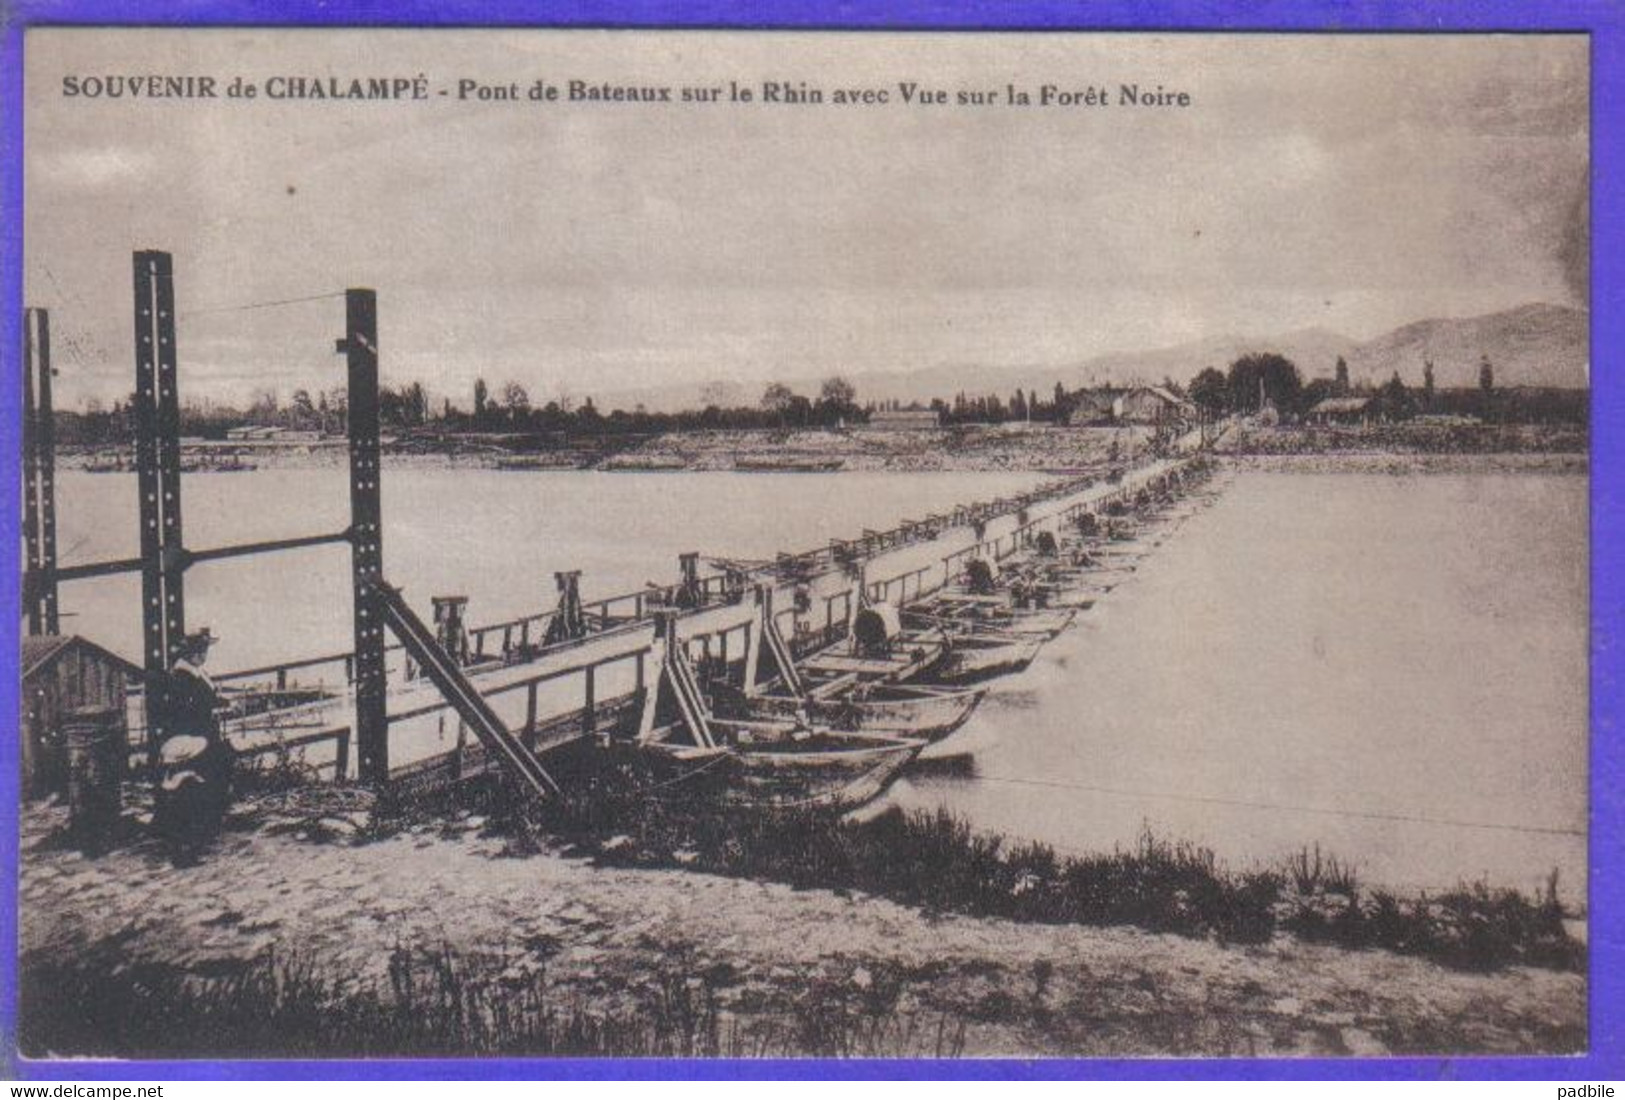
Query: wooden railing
(521, 638)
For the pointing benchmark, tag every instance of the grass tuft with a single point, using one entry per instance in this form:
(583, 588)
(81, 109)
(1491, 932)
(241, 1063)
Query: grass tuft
(939, 863)
(442, 1003)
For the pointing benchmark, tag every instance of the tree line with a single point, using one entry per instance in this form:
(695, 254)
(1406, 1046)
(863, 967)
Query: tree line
(1241, 388)
(1257, 379)
(508, 407)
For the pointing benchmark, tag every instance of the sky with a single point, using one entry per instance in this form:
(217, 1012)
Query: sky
(1353, 183)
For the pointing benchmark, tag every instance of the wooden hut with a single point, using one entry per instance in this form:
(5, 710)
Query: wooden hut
(1153, 405)
(1096, 406)
(61, 674)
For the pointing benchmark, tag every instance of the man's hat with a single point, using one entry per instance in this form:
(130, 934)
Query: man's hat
(199, 639)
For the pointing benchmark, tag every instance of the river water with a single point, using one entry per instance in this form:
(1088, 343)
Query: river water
(1387, 666)
(495, 536)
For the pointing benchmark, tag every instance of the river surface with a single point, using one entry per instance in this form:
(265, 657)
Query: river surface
(1391, 667)
(495, 536)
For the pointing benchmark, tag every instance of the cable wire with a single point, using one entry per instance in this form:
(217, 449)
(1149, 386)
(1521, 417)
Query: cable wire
(261, 305)
(1371, 815)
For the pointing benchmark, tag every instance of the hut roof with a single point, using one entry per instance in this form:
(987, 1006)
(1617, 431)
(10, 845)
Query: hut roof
(1101, 398)
(41, 650)
(1165, 394)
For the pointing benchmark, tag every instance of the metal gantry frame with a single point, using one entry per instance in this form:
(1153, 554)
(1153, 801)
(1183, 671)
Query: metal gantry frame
(164, 556)
(359, 346)
(39, 476)
(158, 478)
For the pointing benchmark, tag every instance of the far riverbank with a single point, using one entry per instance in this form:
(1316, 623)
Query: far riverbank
(1015, 447)
(1380, 462)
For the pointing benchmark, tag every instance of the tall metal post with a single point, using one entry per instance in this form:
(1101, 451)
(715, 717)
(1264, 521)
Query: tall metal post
(360, 348)
(31, 533)
(39, 474)
(158, 468)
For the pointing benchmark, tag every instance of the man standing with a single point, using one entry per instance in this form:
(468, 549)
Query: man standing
(194, 761)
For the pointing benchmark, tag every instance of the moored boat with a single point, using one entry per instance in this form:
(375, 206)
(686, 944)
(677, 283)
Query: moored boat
(877, 650)
(1076, 597)
(906, 710)
(539, 462)
(788, 766)
(982, 656)
(961, 615)
(1105, 577)
(789, 464)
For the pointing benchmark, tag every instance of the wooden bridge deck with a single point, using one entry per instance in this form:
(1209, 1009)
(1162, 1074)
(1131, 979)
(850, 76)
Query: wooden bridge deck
(572, 688)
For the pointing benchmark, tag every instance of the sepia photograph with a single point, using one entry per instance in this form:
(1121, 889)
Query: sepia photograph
(744, 544)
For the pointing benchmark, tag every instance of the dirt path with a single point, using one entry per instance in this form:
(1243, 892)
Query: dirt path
(997, 988)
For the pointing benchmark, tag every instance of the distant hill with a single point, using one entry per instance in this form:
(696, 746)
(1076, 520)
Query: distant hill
(1530, 345)
(1314, 350)
(1533, 345)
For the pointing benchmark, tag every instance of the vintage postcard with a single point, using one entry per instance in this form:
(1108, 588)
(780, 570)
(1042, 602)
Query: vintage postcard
(760, 544)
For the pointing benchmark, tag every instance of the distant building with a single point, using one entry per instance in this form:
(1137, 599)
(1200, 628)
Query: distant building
(903, 420)
(1097, 406)
(1153, 405)
(1342, 410)
(62, 674)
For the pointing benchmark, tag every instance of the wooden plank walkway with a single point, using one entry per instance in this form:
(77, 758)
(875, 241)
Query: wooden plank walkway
(532, 688)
